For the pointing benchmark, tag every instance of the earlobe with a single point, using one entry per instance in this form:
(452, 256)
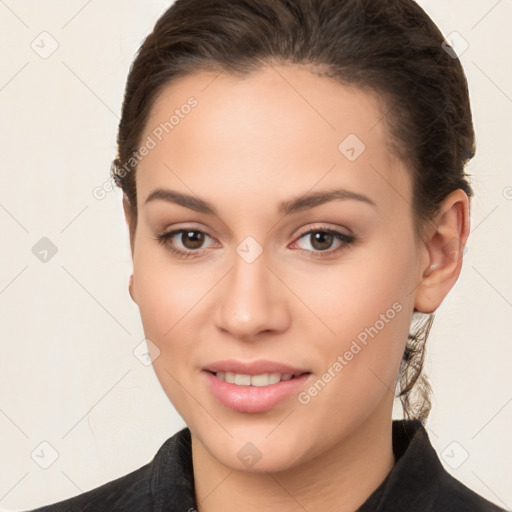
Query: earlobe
(128, 215)
(445, 245)
(131, 290)
(126, 208)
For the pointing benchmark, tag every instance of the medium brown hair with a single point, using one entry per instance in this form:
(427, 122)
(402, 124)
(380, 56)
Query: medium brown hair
(389, 47)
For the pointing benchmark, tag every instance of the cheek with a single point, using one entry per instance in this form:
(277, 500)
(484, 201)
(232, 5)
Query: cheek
(167, 291)
(168, 296)
(177, 311)
(365, 307)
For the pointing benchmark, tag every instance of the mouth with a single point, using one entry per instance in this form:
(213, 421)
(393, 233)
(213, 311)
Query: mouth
(254, 387)
(262, 379)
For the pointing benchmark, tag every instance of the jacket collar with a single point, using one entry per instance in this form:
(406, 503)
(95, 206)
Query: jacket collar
(412, 484)
(413, 480)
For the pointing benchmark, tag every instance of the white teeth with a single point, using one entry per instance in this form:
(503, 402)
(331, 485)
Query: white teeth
(264, 379)
(242, 380)
(260, 380)
(274, 378)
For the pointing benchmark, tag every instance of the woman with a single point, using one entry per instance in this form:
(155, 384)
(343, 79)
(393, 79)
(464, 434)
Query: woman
(294, 188)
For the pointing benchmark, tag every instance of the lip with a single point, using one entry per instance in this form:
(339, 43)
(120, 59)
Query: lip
(253, 367)
(253, 399)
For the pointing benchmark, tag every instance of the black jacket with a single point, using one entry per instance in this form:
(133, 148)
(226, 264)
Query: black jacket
(417, 483)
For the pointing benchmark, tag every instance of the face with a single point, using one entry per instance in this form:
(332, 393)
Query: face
(287, 247)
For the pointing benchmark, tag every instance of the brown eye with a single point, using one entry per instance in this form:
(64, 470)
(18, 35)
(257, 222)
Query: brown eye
(321, 240)
(192, 239)
(185, 243)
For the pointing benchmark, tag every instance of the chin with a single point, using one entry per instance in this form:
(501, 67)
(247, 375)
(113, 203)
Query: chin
(253, 450)
(251, 459)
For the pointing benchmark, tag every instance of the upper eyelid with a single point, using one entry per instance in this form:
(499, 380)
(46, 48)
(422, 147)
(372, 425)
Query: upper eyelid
(323, 227)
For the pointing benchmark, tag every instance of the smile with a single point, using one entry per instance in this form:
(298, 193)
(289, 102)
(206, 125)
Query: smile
(253, 387)
(263, 379)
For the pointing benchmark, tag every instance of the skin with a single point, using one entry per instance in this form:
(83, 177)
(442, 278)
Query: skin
(249, 144)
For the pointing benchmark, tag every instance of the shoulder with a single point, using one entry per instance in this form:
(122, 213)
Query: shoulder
(453, 495)
(419, 481)
(131, 492)
(167, 476)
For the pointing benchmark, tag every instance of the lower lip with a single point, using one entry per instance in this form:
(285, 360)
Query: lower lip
(253, 398)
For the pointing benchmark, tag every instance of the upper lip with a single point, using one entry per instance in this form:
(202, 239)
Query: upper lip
(253, 367)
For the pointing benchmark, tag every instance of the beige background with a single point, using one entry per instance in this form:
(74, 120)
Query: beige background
(68, 374)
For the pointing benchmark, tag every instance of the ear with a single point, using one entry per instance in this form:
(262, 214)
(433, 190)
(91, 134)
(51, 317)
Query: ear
(131, 289)
(128, 215)
(444, 243)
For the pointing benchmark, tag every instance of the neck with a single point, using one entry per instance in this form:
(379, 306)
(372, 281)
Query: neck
(346, 475)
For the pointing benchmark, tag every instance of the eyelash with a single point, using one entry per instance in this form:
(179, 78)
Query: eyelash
(347, 241)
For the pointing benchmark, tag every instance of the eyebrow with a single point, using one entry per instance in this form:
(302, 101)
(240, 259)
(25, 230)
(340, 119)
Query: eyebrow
(300, 203)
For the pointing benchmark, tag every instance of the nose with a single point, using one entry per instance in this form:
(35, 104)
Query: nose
(252, 301)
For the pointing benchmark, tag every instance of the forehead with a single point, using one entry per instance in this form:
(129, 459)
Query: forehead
(278, 128)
